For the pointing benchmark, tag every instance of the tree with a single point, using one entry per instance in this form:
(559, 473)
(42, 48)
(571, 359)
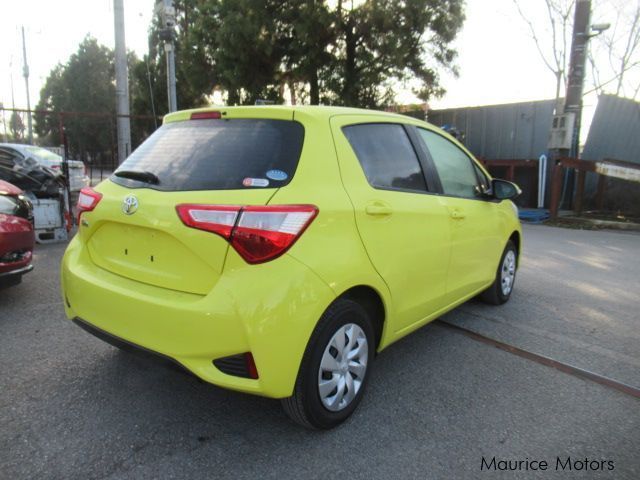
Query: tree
(243, 41)
(194, 73)
(341, 54)
(84, 90)
(308, 59)
(84, 84)
(553, 39)
(382, 42)
(16, 127)
(615, 55)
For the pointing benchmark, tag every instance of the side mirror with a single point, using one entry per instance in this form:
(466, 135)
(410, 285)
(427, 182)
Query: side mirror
(503, 190)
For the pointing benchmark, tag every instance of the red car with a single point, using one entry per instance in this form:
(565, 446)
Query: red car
(16, 235)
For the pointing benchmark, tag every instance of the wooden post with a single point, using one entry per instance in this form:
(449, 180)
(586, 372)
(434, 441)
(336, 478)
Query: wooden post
(602, 184)
(580, 191)
(556, 188)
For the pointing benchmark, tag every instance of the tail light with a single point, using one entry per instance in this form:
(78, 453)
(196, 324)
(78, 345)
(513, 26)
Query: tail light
(87, 200)
(218, 219)
(257, 233)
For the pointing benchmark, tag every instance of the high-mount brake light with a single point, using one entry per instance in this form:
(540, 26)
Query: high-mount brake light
(257, 233)
(87, 201)
(205, 115)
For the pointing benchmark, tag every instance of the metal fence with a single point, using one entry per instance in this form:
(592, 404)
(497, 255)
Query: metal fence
(501, 132)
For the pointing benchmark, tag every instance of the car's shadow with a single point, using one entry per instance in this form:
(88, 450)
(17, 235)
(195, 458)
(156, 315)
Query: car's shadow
(154, 394)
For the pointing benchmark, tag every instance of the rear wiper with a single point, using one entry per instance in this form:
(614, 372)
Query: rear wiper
(146, 177)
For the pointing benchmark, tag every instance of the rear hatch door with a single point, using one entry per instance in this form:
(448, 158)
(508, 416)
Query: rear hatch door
(135, 230)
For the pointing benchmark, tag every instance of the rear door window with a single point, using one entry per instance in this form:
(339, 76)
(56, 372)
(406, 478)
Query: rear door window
(386, 156)
(217, 154)
(455, 168)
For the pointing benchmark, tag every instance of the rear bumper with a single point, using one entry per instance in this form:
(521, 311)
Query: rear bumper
(17, 272)
(123, 344)
(269, 310)
(13, 277)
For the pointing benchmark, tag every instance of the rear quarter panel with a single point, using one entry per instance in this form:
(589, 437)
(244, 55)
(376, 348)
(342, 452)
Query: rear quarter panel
(331, 246)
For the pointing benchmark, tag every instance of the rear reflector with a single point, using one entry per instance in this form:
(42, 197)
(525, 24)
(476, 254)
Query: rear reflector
(257, 233)
(241, 365)
(87, 200)
(205, 115)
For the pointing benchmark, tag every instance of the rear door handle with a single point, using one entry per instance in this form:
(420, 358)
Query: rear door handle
(457, 215)
(378, 209)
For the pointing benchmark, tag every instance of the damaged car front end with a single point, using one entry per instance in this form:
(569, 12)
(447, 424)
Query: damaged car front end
(16, 234)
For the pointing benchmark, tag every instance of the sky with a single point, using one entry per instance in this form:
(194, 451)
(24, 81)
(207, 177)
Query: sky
(498, 61)
(53, 31)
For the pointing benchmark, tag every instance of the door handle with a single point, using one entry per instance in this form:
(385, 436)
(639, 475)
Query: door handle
(457, 215)
(378, 209)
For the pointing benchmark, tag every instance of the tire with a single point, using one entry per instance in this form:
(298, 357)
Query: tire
(10, 281)
(496, 294)
(307, 406)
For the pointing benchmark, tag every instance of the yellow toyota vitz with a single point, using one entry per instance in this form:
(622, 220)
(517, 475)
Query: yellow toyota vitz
(275, 250)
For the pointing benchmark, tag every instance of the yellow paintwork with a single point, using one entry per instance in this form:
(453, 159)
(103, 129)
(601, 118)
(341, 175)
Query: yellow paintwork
(197, 300)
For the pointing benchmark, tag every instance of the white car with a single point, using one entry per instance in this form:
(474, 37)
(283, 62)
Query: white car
(78, 178)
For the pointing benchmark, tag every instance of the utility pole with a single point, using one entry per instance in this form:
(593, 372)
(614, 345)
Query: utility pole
(13, 97)
(25, 72)
(577, 70)
(122, 84)
(4, 123)
(565, 133)
(168, 15)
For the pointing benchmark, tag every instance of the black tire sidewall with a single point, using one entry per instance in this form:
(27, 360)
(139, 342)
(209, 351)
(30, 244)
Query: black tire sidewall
(341, 313)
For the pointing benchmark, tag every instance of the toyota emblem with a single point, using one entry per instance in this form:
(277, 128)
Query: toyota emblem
(130, 204)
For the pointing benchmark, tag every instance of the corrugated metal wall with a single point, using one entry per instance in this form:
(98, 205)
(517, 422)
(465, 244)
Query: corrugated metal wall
(510, 131)
(614, 134)
(614, 131)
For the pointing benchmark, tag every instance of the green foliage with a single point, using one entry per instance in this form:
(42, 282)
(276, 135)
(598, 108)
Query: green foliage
(84, 84)
(341, 52)
(348, 53)
(385, 42)
(194, 75)
(245, 47)
(16, 127)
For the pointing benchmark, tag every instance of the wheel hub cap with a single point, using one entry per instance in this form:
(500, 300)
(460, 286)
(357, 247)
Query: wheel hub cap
(343, 367)
(508, 272)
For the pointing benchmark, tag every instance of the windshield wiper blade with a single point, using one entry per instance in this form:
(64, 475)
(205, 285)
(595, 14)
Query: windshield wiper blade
(147, 177)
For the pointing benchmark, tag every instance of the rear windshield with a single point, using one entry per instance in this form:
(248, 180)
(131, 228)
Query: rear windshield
(217, 155)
